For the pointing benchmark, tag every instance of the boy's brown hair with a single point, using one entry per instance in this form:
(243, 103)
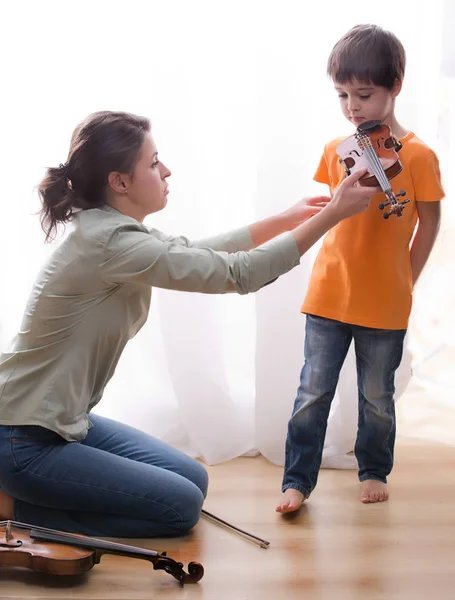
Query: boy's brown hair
(370, 54)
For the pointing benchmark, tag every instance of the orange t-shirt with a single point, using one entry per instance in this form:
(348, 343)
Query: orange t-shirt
(362, 274)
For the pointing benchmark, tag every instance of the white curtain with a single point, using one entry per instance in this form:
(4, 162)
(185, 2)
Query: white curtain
(241, 108)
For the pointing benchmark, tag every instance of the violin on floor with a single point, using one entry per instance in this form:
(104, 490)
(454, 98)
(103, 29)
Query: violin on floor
(375, 148)
(59, 553)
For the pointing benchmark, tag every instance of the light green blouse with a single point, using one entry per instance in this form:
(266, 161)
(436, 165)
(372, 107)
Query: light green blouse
(93, 295)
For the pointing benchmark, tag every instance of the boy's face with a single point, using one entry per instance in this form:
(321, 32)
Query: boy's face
(362, 101)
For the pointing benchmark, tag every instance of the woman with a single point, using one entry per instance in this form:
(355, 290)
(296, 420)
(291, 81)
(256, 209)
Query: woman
(60, 467)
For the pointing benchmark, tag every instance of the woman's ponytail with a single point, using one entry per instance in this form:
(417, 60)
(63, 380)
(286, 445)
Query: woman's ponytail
(57, 199)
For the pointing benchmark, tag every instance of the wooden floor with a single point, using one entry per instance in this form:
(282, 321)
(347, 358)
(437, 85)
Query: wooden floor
(336, 548)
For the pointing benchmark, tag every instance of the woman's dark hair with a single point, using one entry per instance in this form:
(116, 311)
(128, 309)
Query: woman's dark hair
(370, 54)
(104, 142)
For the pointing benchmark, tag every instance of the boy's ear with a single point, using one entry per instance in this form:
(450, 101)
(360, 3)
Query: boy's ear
(396, 88)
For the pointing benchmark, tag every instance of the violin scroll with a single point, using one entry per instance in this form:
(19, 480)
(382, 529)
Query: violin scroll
(174, 568)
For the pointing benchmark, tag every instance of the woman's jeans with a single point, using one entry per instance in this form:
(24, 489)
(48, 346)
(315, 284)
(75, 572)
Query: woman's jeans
(378, 355)
(117, 482)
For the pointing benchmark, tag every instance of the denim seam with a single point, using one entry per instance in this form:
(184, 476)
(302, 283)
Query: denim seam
(11, 448)
(320, 423)
(367, 477)
(299, 488)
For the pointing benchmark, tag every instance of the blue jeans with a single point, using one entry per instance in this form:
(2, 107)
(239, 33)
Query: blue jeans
(378, 355)
(117, 482)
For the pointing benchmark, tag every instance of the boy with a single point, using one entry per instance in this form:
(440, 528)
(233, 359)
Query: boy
(362, 280)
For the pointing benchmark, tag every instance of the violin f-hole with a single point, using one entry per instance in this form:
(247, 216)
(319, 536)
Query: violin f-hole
(17, 544)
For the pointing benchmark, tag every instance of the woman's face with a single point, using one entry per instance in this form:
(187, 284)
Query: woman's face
(147, 190)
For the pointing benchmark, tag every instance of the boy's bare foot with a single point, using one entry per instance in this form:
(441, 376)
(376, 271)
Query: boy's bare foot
(373, 491)
(291, 501)
(6, 506)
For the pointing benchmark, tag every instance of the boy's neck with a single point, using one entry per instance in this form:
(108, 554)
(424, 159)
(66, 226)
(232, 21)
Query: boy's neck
(397, 130)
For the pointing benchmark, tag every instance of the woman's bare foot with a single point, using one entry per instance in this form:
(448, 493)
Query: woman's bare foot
(291, 501)
(6, 506)
(373, 491)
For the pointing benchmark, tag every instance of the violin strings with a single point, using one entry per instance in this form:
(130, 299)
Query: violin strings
(380, 169)
(76, 536)
(377, 167)
(374, 161)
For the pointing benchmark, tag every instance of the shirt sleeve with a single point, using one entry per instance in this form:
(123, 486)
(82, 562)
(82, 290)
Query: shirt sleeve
(322, 172)
(426, 176)
(233, 241)
(134, 256)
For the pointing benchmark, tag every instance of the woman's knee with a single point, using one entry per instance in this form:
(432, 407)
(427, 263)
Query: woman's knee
(188, 506)
(200, 478)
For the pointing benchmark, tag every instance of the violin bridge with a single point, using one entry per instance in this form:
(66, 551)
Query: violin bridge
(9, 538)
(8, 534)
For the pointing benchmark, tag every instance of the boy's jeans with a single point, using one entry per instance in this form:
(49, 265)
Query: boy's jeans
(378, 355)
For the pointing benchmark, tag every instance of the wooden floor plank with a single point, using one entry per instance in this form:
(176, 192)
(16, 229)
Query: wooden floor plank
(335, 548)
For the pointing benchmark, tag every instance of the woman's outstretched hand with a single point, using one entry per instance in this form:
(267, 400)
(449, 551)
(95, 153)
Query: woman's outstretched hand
(304, 209)
(350, 198)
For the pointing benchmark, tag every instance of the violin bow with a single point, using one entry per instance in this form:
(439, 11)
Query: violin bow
(257, 540)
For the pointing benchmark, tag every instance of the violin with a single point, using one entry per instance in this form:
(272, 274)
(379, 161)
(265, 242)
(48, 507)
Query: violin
(375, 148)
(59, 553)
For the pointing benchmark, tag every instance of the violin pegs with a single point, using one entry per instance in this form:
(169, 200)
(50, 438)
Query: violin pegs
(383, 205)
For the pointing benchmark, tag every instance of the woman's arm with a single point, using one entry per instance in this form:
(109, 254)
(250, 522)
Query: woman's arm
(256, 234)
(131, 255)
(266, 229)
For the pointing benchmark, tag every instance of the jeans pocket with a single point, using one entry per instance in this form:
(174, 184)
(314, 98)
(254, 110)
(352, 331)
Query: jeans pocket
(32, 433)
(28, 442)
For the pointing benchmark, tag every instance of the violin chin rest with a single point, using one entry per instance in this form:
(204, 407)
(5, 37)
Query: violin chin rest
(369, 125)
